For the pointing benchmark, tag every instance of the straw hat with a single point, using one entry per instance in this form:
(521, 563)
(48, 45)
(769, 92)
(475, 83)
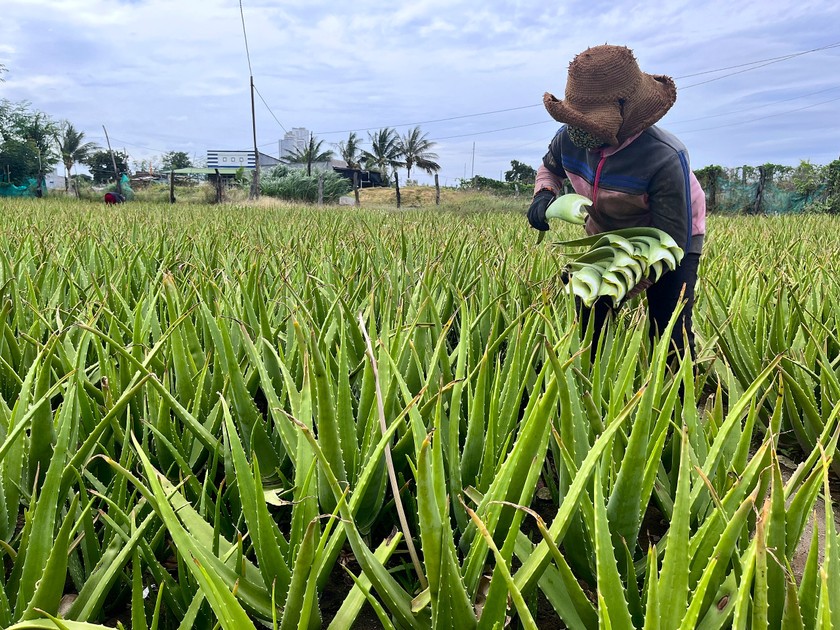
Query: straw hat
(609, 96)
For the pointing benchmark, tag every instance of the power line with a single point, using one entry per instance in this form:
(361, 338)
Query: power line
(131, 144)
(753, 66)
(479, 133)
(269, 111)
(749, 109)
(437, 120)
(745, 67)
(761, 61)
(769, 63)
(245, 35)
(752, 120)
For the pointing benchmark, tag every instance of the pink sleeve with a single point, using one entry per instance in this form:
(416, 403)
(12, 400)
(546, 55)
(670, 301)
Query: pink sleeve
(547, 179)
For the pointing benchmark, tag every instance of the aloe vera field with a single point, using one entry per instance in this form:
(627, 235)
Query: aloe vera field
(301, 417)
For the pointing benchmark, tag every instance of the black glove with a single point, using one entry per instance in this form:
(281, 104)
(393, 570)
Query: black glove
(536, 213)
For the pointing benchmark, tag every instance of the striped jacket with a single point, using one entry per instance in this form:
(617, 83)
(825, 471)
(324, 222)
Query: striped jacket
(646, 181)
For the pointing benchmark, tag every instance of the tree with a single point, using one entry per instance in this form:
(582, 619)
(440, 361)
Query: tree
(39, 131)
(520, 173)
(27, 140)
(101, 167)
(18, 162)
(415, 150)
(708, 177)
(832, 187)
(311, 153)
(807, 179)
(349, 150)
(766, 172)
(73, 149)
(176, 159)
(385, 152)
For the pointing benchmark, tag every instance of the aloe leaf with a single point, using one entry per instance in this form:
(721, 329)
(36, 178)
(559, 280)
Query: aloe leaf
(449, 598)
(610, 589)
(673, 580)
(569, 207)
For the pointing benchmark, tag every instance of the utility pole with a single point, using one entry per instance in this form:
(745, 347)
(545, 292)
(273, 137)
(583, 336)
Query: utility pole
(473, 161)
(309, 155)
(255, 182)
(113, 161)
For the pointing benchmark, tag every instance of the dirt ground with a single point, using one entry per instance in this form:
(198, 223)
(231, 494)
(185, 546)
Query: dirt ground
(817, 520)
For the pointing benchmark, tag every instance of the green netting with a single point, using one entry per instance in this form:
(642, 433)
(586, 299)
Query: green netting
(125, 188)
(739, 197)
(10, 190)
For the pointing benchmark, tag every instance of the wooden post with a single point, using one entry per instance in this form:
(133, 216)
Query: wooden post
(356, 188)
(172, 186)
(397, 182)
(75, 181)
(219, 195)
(255, 180)
(309, 155)
(113, 161)
(321, 189)
(759, 193)
(437, 190)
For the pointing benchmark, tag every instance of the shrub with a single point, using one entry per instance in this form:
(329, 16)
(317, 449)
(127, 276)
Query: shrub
(295, 185)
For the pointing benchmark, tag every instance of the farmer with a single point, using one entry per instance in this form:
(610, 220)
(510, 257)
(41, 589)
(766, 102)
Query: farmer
(635, 173)
(113, 198)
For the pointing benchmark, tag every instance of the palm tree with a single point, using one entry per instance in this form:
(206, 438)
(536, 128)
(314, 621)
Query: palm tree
(385, 152)
(350, 150)
(312, 153)
(72, 149)
(416, 151)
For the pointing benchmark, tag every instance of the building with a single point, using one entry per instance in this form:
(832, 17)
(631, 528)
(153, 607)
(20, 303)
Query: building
(296, 139)
(238, 159)
(55, 181)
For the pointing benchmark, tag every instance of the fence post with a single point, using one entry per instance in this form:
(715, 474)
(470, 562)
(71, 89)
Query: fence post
(437, 190)
(397, 182)
(759, 193)
(219, 195)
(172, 186)
(356, 188)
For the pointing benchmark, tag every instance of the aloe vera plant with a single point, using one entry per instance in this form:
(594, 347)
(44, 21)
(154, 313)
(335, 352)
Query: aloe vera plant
(195, 431)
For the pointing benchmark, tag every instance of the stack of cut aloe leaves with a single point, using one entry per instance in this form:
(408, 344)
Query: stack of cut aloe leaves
(616, 261)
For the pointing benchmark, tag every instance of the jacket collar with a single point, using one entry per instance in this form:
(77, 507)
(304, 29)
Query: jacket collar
(608, 151)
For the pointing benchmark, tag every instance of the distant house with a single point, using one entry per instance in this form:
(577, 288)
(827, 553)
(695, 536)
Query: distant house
(365, 179)
(144, 178)
(238, 159)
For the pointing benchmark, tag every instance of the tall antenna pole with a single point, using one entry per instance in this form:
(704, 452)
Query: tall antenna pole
(255, 181)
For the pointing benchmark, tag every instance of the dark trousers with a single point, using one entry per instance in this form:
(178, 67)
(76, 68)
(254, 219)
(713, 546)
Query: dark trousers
(663, 297)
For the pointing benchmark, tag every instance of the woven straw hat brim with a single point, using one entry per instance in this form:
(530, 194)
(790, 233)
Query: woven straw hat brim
(614, 121)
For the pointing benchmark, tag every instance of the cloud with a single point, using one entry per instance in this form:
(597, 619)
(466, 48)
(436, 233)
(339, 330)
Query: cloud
(167, 75)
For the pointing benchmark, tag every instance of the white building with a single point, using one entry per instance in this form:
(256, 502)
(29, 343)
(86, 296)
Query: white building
(297, 138)
(238, 159)
(54, 180)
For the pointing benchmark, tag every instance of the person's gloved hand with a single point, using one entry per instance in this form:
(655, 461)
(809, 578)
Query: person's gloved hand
(536, 213)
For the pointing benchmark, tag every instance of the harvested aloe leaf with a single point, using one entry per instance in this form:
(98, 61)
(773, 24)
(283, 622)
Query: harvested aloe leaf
(569, 208)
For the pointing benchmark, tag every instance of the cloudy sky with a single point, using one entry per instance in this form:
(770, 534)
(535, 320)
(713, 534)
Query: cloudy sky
(167, 75)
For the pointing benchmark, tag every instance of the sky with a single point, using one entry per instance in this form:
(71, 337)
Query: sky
(173, 75)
